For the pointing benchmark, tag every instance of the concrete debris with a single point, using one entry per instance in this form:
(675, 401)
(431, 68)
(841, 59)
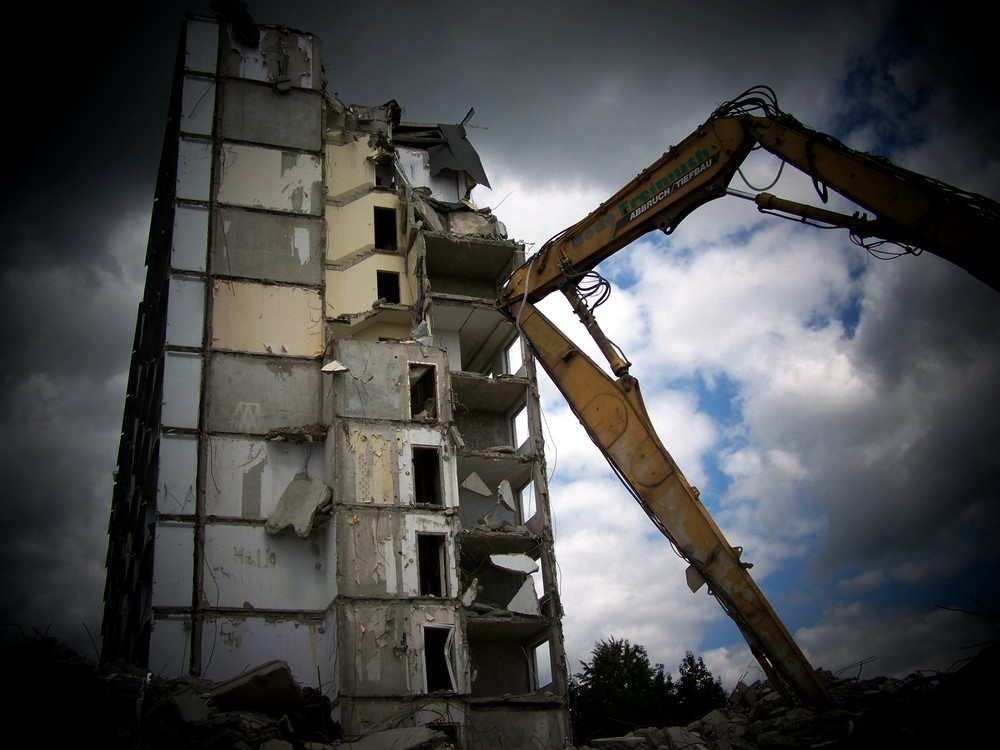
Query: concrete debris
(506, 495)
(269, 688)
(310, 433)
(474, 483)
(525, 601)
(516, 563)
(300, 504)
(923, 710)
(401, 738)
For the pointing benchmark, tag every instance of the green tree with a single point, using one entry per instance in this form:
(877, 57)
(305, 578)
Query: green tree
(617, 691)
(696, 692)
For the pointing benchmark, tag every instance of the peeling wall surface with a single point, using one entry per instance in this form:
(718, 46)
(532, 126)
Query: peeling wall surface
(319, 459)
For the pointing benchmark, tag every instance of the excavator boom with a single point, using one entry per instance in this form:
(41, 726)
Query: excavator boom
(909, 210)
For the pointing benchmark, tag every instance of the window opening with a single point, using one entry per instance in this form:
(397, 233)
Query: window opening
(431, 564)
(437, 659)
(384, 173)
(385, 228)
(515, 361)
(527, 497)
(426, 475)
(387, 286)
(541, 663)
(423, 392)
(520, 425)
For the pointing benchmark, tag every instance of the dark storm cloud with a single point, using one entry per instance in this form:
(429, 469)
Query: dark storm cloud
(565, 94)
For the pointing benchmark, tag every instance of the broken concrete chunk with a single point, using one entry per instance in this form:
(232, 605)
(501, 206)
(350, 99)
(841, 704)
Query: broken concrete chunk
(269, 689)
(298, 507)
(506, 495)
(525, 601)
(474, 483)
(516, 563)
(334, 366)
(402, 738)
(470, 593)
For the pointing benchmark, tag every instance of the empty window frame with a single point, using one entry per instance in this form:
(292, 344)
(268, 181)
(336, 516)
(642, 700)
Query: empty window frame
(384, 222)
(387, 286)
(432, 565)
(423, 392)
(438, 671)
(385, 173)
(426, 475)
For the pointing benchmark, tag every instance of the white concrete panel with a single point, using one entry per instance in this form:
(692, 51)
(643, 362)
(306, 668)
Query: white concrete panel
(190, 240)
(229, 646)
(246, 477)
(177, 476)
(201, 45)
(260, 177)
(181, 390)
(194, 169)
(169, 645)
(186, 312)
(197, 106)
(245, 566)
(173, 564)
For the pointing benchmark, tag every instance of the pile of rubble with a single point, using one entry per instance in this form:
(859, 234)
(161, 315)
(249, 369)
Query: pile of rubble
(56, 698)
(921, 711)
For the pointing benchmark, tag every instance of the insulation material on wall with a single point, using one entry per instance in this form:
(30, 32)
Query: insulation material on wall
(270, 247)
(373, 458)
(369, 560)
(261, 177)
(266, 319)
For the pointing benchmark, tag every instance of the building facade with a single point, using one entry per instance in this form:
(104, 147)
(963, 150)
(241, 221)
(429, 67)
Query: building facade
(331, 450)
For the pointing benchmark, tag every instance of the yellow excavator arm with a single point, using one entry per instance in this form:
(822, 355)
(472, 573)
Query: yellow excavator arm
(909, 210)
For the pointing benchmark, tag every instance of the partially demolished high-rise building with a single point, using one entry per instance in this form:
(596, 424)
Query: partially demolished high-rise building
(331, 449)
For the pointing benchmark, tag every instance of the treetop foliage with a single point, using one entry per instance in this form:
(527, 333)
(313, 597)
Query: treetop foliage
(619, 690)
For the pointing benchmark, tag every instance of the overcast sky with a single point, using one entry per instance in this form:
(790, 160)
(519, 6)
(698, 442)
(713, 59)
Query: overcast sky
(837, 412)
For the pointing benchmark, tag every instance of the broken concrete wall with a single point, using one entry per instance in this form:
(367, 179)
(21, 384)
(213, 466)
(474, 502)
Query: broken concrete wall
(388, 639)
(269, 178)
(256, 394)
(377, 385)
(281, 56)
(248, 477)
(271, 247)
(306, 644)
(535, 729)
(251, 112)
